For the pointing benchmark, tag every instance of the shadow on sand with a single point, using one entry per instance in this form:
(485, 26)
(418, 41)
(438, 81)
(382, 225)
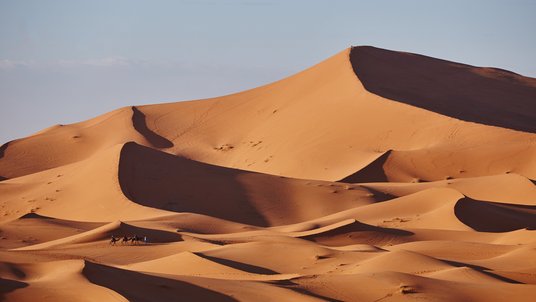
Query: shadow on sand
(485, 216)
(136, 286)
(488, 96)
(140, 124)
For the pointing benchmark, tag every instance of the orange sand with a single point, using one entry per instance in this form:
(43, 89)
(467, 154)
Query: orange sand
(373, 176)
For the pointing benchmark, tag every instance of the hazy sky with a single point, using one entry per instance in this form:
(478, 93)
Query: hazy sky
(67, 61)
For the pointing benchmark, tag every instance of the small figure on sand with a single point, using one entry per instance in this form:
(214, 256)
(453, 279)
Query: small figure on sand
(133, 240)
(113, 240)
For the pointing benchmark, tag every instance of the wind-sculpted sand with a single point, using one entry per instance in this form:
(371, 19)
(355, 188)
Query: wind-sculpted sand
(373, 176)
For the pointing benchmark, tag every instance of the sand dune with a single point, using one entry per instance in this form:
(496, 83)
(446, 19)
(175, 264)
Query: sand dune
(21, 232)
(504, 188)
(337, 129)
(458, 90)
(375, 175)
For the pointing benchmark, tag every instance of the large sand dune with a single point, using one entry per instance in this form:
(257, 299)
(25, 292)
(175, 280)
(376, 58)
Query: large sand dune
(373, 176)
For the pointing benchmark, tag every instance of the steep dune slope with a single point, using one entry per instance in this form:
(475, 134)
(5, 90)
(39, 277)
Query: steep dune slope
(487, 96)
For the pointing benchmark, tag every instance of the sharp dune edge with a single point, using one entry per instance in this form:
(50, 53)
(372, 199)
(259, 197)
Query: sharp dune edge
(375, 175)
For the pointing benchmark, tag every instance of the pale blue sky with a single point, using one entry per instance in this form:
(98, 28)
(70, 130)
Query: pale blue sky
(67, 61)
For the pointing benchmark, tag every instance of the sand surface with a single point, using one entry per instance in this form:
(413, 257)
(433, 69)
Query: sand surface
(373, 176)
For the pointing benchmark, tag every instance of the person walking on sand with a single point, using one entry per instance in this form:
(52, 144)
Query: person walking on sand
(145, 239)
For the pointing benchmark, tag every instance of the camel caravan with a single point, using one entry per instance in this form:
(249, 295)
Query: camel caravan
(135, 240)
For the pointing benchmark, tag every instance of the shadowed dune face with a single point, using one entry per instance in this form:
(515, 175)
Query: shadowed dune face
(239, 265)
(7, 286)
(164, 181)
(156, 179)
(483, 95)
(3, 149)
(495, 217)
(140, 124)
(374, 172)
(142, 287)
(2, 152)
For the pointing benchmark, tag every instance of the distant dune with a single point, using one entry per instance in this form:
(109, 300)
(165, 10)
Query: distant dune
(375, 175)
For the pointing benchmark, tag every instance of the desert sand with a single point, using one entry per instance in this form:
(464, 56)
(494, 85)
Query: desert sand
(375, 175)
